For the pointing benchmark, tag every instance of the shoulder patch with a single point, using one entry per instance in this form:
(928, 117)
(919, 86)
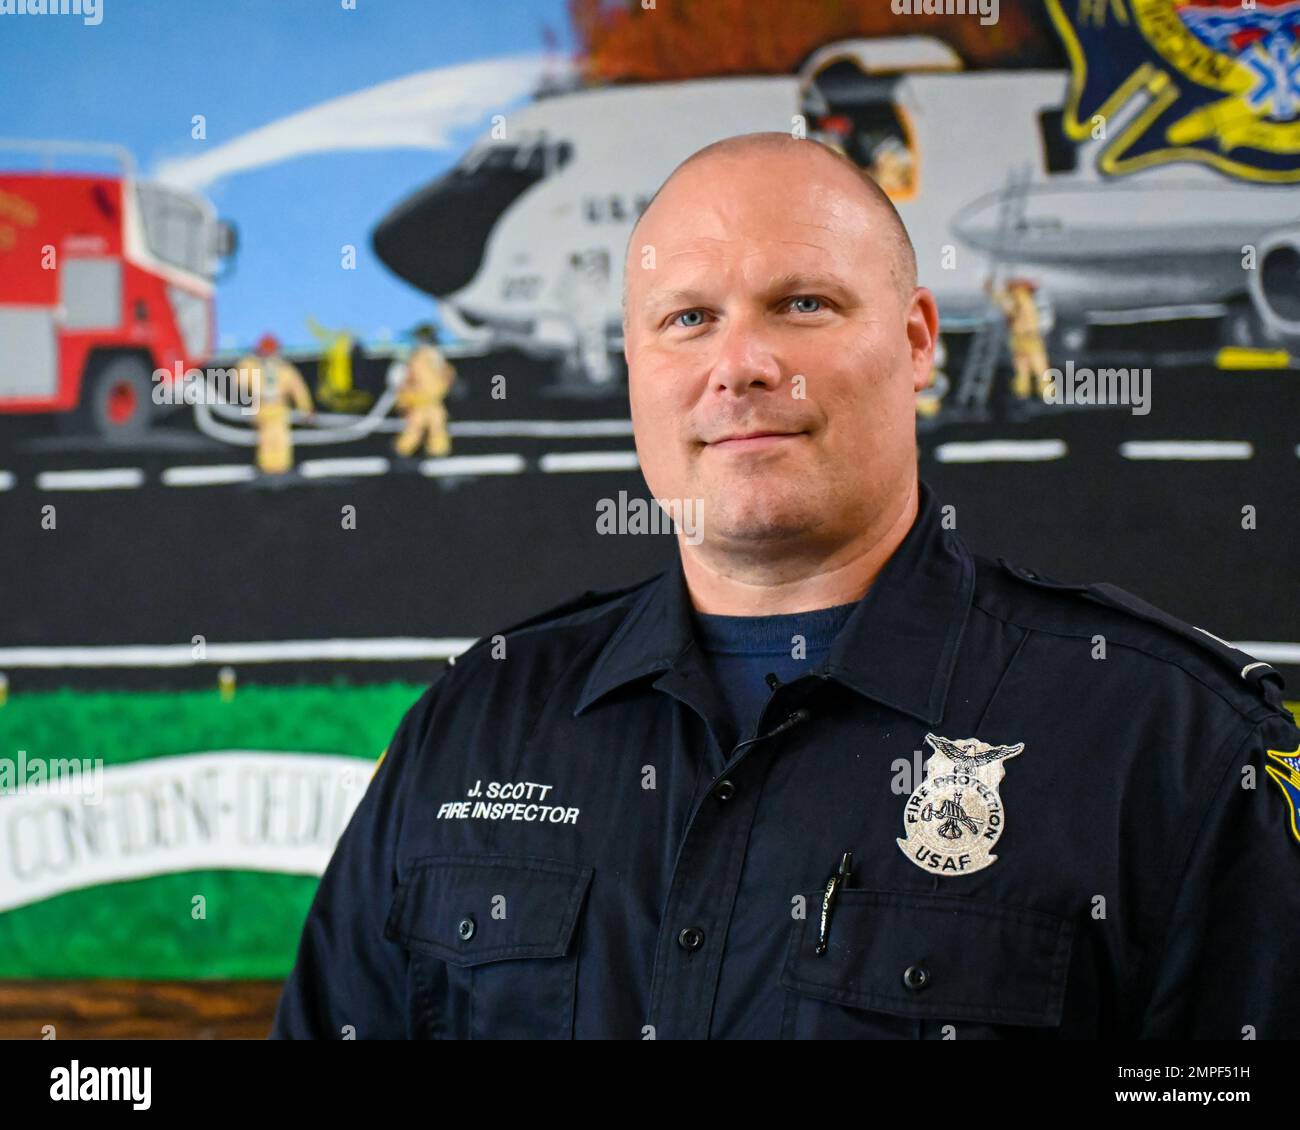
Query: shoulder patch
(1259, 675)
(589, 599)
(1286, 772)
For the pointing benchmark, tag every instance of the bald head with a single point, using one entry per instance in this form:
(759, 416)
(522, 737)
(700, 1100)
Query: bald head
(748, 151)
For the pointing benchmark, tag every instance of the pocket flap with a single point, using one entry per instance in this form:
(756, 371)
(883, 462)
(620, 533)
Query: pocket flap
(472, 909)
(968, 959)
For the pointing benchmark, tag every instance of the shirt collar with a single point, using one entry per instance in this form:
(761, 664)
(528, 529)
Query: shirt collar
(898, 646)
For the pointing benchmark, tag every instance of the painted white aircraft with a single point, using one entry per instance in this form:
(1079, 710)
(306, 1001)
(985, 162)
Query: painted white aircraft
(523, 241)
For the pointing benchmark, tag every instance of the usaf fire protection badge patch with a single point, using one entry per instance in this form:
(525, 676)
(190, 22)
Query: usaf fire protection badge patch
(954, 816)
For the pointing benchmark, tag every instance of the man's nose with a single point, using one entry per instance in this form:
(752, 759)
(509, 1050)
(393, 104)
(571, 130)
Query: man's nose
(745, 358)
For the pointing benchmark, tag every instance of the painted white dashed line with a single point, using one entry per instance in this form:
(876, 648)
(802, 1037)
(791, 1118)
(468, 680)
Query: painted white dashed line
(116, 478)
(589, 461)
(981, 451)
(1186, 449)
(474, 465)
(1001, 451)
(325, 468)
(546, 428)
(213, 475)
(6, 480)
(274, 651)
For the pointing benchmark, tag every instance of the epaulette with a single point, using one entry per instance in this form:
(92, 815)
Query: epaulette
(1254, 672)
(589, 599)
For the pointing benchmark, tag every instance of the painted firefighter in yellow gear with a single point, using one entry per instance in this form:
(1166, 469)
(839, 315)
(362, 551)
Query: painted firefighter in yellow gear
(334, 382)
(1028, 353)
(429, 377)
(274, 385)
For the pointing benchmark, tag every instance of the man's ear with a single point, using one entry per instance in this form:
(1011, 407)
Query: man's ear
(922, 335)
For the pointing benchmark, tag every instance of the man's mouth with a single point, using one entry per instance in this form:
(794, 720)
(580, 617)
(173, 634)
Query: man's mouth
(753, 441)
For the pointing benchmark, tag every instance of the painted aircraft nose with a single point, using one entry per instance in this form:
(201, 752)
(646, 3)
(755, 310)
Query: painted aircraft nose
(436, 238)
(976, 225)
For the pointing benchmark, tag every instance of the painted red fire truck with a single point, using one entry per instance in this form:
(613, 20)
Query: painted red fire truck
(104, 280)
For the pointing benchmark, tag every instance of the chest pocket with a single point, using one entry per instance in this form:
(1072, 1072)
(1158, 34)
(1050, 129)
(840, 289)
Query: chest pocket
(492, 945)
(925, 966)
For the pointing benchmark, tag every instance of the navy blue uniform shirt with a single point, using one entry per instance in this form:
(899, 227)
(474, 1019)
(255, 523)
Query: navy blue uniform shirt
(745, 653)
(1070, 815)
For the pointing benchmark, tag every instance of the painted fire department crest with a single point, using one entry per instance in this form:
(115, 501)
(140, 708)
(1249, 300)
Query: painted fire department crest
(1215, 81)
(954, 816)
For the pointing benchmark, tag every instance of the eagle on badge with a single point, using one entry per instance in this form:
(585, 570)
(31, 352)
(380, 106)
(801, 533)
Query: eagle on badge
(967, 754)
(955, 815)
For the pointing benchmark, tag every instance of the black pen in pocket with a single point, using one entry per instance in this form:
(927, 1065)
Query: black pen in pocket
(833, 885)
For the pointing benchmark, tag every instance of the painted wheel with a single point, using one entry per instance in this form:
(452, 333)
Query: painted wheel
(117, 401)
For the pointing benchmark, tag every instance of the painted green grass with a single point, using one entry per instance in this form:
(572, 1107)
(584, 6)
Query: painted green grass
(146, 927)
(131, 726)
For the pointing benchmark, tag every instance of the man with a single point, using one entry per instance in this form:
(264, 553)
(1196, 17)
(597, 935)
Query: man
(429, 377)
(835, 776)
(274, 385)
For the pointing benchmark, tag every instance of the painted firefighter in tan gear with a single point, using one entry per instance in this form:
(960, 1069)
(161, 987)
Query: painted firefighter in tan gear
(429, 377)
(1028, 353)
(274, 385)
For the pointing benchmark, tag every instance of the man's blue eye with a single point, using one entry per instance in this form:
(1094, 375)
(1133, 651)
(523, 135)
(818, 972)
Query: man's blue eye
(691, 314)
(809, 298)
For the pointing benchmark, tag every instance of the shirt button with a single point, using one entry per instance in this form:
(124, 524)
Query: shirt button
(691, 939)
(916, 977)
(724, 791)
(466, 928)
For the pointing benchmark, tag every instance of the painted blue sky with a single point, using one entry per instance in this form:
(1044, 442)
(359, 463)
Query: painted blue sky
(138, 77)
